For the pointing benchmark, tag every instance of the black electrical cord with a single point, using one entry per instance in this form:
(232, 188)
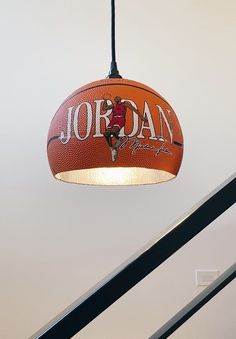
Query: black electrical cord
(114, 73)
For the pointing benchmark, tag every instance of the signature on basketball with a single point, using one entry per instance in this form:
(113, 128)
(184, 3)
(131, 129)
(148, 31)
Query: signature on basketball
(134, 144)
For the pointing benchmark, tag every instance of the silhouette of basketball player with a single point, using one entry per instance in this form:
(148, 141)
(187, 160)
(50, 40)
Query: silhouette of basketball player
(117, 122)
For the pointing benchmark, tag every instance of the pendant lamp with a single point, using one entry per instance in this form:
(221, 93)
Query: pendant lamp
(115, 131)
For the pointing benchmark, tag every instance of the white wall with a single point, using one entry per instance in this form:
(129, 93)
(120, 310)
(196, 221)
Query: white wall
(57, 240)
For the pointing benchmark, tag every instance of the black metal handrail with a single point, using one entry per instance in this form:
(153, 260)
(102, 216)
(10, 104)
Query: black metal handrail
(198, 302)
(105, 293)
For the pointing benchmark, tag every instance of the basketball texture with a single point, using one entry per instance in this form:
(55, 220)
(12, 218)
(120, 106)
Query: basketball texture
(147, 132)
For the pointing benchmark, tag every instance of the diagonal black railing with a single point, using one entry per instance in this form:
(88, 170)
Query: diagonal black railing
(199, 301)
(105, 293)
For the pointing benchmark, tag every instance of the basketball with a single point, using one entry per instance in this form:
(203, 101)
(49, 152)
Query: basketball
(114, 124)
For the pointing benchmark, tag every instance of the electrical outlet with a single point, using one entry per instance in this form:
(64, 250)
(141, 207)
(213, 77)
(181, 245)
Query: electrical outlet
(205, 277)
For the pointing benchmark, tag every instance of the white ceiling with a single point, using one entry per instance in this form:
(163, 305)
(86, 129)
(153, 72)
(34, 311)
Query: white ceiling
(57, 240)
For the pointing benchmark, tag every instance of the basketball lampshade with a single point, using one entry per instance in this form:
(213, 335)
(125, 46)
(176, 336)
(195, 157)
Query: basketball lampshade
(115, 132)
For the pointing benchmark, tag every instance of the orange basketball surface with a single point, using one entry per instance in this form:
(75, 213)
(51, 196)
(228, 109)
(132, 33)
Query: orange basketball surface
(151, 139)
